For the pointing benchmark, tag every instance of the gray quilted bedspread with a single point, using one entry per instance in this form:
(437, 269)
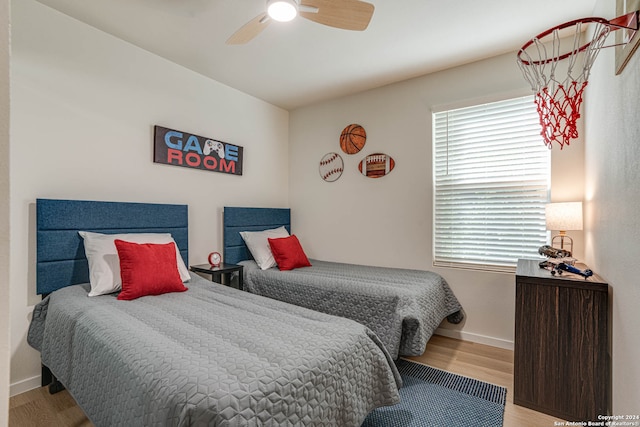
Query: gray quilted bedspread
(403, 307)
(211, 356)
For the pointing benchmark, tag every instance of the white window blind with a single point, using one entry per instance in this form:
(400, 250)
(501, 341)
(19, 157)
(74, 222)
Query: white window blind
(492, 176)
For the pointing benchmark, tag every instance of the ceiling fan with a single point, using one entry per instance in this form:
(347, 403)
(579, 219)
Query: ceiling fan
(345, 14)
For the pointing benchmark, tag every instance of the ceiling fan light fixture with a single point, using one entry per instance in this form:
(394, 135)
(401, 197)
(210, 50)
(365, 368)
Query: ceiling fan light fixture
(282, 10)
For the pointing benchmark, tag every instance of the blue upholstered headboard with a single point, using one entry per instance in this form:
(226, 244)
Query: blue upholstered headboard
(237, 219)
(60, 258)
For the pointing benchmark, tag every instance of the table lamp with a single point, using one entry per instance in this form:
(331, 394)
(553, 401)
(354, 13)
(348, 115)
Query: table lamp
(562, 217)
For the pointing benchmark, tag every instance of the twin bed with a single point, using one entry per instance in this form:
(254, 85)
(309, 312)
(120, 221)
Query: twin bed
(211, 355)
(214, 355)
(402, 307)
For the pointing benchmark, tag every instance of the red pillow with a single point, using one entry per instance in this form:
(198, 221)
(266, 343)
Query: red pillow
(288, 253)
(148, 269)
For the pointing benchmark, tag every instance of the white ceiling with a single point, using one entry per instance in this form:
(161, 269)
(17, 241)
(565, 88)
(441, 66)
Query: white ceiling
(298, 63)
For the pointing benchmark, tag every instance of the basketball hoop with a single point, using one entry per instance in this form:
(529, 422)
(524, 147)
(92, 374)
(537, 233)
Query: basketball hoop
(557, 66)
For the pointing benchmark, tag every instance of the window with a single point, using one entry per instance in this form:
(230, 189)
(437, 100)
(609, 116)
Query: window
(492, 177)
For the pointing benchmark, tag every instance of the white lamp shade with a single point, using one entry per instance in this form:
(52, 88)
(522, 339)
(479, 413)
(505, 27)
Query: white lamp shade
(282, 10)
(564, 216)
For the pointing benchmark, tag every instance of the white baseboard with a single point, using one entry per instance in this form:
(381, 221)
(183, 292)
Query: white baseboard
(480, 339)
(25, 385)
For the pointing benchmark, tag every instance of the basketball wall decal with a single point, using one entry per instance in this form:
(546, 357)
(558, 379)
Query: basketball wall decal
(352, 139)
(376, 165)
(331, 167)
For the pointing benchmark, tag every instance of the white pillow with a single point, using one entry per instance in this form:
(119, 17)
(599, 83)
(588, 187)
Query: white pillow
(104, 264)
(259, 245)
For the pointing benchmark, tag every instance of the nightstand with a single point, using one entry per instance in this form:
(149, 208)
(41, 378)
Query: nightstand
(562, 353)
(221, 274)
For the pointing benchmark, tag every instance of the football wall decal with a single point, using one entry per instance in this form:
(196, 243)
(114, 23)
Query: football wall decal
(376, 165)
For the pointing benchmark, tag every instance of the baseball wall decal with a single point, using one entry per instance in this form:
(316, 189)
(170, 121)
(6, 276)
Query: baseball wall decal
(376, 165)
(331, 167)
(352, 139)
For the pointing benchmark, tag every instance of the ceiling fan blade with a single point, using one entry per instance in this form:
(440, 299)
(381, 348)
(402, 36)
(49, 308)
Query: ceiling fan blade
(249, 30)
(346, 14)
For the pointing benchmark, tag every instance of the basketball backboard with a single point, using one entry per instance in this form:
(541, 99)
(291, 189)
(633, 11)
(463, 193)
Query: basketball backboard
(627, 41)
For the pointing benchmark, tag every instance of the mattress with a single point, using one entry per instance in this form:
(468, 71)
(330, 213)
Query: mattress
(212, 355)
(402, 306)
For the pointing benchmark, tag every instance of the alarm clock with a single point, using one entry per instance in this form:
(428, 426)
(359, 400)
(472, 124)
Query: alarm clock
(215, 259)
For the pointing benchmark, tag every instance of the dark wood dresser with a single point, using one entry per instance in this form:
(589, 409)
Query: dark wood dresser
(562, 358)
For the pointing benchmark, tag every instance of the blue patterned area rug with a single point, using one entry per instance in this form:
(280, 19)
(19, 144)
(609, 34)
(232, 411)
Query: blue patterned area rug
(432, 397)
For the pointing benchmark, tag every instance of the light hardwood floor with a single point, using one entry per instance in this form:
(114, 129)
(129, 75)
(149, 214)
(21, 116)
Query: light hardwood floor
(494, 365)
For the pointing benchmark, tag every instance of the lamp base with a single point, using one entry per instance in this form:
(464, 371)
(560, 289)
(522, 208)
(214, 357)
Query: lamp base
(562, 237)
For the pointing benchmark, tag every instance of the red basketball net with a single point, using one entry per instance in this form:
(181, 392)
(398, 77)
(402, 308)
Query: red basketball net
(559, 79)
(559, 113)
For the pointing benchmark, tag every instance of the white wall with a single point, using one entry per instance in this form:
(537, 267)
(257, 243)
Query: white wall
(83, 109)
(613, 205)
(4, 211)
(388, 221)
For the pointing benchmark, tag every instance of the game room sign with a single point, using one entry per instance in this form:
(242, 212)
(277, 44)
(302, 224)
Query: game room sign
(173, 147)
